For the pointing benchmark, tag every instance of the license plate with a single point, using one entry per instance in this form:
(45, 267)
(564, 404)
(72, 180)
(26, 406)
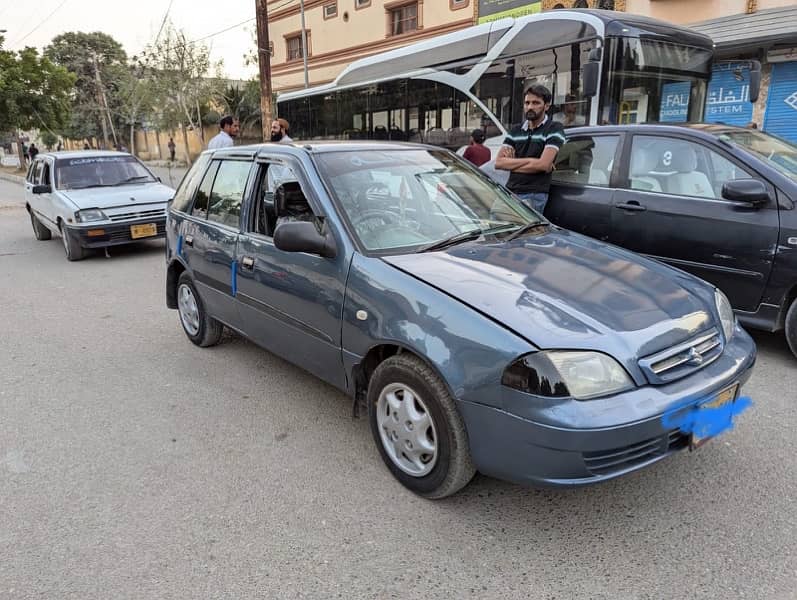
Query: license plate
(726, 397)
(142, 231)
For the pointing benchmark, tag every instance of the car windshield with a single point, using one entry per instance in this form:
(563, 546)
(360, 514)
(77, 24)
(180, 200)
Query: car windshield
(778, 153)
(411, 200)
(100, 171)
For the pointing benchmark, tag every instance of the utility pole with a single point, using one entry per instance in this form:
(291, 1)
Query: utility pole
(98, 91)
(304, 44)
(264, 61)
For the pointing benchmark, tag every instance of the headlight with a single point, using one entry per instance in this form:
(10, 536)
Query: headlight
(90, 214)
(725, 310)
(559, 374)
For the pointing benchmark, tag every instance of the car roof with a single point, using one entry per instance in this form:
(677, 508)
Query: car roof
(319, 147)
(83, 153)
(707, 129)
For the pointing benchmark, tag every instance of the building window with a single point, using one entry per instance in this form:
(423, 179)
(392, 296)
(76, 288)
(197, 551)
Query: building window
(403, 19)
(457, 4)
(330, 10)
(358, 4)
(294, 45)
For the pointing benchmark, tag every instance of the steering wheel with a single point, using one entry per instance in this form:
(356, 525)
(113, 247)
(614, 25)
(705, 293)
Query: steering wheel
(387, 217)
(375, 187)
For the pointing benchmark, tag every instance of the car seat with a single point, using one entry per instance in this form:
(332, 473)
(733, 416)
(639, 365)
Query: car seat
(686, 180)
(643, 161)
(290, 203)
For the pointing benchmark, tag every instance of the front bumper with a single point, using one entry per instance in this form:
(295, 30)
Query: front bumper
(592, 441)
(114, 234)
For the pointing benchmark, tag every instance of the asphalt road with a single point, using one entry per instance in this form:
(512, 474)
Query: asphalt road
(136, 465)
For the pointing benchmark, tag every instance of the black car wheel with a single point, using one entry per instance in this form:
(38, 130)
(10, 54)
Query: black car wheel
(791, 327)
(201, 328)
(40, 231)
(418, 429)
(74, 251)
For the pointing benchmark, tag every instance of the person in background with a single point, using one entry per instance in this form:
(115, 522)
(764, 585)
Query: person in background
(569, 116)
(32, 151)
(226, 137)
(172, 148)
(86, 146)
(530, 149)
(477, 153)
(279, 131)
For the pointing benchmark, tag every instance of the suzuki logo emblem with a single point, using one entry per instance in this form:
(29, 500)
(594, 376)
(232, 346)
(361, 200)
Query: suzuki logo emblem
(695, 358)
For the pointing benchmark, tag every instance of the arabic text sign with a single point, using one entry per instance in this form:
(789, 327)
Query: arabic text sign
(728, 98)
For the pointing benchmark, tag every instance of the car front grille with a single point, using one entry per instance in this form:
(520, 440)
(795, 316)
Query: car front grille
(683, 359)
(144, 214)
(124, 235)
(607, 462)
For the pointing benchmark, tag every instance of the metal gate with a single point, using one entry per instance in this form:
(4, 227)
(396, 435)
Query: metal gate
(781, 115)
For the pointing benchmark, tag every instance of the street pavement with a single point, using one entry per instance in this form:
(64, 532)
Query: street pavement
(136, 465)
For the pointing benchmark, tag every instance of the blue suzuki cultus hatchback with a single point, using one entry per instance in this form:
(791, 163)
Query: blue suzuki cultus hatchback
(478, 335)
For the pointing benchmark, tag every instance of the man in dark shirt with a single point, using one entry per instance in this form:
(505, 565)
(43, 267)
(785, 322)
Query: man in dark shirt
(529, 151)
(477, 153)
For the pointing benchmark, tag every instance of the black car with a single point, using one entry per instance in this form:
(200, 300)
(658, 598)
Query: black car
(714, 200)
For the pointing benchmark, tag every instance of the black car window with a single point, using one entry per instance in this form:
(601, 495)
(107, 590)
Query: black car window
(46, 173)
(202, 197)
(586, 160)
(37, 176)
(679, 167)
(185, 192)
(228, 192)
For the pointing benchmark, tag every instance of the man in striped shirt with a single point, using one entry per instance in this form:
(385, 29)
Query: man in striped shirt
(530, 149)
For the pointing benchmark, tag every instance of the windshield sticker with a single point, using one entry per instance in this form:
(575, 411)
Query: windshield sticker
(99, 159)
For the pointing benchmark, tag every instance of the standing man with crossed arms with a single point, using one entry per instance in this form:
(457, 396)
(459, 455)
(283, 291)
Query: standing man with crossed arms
(530, 149)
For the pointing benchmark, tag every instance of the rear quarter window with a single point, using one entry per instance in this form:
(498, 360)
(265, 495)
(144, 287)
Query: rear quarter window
(185, 191)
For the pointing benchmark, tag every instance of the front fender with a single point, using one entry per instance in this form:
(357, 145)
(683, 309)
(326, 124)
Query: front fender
(468, 350)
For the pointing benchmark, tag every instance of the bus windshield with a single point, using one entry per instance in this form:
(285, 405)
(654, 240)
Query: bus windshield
(647, 81)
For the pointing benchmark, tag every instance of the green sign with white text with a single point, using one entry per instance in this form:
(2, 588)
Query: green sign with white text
(492, 10)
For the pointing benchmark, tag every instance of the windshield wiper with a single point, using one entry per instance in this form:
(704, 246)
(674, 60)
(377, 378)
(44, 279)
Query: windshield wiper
(525, 229)
(465, 236)
(131, 179)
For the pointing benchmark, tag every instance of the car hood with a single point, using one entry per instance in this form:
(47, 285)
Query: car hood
(123, 195)
(560, 289)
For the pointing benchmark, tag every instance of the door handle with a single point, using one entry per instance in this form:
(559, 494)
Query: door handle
(189, 240)
(248, 263)
(632, 205)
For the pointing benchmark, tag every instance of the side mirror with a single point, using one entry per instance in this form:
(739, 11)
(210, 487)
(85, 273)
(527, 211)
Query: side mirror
(749, 191)
(302, 236)
(42, 189)
(590, 73)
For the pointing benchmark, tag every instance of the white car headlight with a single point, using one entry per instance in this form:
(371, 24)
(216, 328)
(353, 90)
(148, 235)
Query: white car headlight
(90, 214)
(725, 310)
(556, 374)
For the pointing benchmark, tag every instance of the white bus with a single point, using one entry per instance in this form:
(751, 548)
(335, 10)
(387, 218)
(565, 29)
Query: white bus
(602, 67)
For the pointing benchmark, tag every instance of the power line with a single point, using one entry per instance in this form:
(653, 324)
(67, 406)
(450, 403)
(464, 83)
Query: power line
(42, 22)
(225, 30)
(163, 22)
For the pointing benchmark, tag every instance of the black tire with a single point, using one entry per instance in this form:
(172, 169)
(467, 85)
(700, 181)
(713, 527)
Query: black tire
(453, 467)
(40, 231)
(74, 251)
(208, 331)
(791, 327)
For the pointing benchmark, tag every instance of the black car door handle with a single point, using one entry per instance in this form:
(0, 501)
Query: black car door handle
(248, 263)
(189, 240)
(631, 205)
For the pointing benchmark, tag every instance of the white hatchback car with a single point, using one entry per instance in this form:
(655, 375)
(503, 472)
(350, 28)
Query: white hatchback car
(94, 200)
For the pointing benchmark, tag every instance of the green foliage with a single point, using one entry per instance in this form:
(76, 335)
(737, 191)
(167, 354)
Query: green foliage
(34, 92)
(49, 139)
(243, 103)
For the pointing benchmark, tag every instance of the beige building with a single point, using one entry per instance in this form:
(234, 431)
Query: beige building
(341, 31)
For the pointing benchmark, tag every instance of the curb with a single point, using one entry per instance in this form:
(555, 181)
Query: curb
(12, 178)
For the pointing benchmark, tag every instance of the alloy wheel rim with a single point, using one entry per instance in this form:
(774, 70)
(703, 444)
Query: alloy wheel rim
(188, 309)
(407, 430)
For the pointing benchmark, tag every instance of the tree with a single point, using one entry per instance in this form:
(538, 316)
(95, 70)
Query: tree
(243, 103)
(184, 80)
(95, 59)
(135, 97)
(34, 93)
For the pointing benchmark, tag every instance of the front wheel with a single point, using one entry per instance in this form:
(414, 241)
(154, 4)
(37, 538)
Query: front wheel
(791, 327)
(74, 251)
(201, 328)
(418, 429)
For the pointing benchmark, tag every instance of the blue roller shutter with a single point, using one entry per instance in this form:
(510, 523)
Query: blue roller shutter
(781, 115)
(728, 98)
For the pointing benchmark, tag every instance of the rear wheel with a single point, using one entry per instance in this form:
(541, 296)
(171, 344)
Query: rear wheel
(418, 429)
(40, 231)
(74, 251)
(791, 327)
(201, 328)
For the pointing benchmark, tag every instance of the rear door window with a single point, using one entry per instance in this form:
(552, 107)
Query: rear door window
(587, 160)
(185, 192)
(202, 198)
(228, 191)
